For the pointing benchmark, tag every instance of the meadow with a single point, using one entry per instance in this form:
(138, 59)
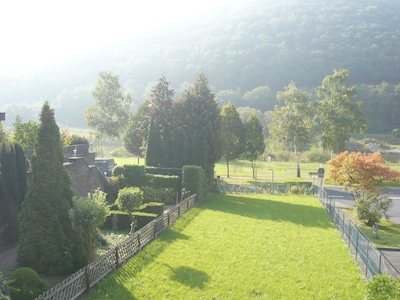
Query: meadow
(242, 247)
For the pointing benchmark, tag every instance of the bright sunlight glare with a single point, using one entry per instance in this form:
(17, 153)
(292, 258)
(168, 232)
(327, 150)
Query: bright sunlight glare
(36, 33)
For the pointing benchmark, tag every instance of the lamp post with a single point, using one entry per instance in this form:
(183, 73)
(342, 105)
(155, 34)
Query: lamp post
(269, 160)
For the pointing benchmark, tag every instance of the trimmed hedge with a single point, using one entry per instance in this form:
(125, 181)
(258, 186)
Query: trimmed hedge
(163, 181)
(135, 175)
(124, 220)
(164, 171)
(194, 181)
(153, 208)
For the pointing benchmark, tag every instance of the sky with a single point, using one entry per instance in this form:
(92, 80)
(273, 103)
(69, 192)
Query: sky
(37, 33)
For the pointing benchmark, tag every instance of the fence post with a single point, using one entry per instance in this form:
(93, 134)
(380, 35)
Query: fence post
(358, 234)
(155, 228)
(87, 277)
(139, 242)
(366, 261)
(116, 257)
(168, 219)
(380, 263)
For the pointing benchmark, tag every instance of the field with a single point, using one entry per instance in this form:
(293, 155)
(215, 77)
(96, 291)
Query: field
(242, 247)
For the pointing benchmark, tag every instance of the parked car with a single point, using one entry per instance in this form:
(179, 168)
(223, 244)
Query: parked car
(105, 165)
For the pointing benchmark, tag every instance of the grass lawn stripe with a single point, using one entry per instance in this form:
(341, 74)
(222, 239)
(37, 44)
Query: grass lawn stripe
(242, 247)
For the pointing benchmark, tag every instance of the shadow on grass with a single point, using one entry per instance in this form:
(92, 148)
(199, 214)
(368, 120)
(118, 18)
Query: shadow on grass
(268, 209)
(136, 264)
(188, 276)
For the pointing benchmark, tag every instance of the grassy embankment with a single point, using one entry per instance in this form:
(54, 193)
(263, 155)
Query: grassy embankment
(242, 247)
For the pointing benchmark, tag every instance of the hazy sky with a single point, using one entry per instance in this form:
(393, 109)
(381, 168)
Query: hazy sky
(36, 33)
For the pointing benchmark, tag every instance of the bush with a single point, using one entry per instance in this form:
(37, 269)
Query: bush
(194, 181)
(129, 199)
(371, 207)
(164, 195)
(134, 175)
(25, 284)
(316, 155)
(383, 287)
(153, 207)
(118, 171)
(283, 156)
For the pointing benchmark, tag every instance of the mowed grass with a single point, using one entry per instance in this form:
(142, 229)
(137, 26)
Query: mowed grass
(242, 247)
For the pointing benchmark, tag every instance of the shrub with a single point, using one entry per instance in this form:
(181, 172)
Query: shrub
(25, 284)
(153, 207)
(134, 175)
(383, 287)
(193, 181)
(118, 171)
(316, 155)
(282, 155)
(371, 207)
(164, 195)
(129, 199)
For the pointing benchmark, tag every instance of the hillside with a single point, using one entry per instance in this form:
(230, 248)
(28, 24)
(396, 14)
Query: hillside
(244, 45)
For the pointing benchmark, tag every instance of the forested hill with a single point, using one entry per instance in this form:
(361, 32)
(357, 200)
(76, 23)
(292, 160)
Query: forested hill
(245, 45)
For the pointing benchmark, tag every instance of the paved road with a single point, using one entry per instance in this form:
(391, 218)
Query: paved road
(344, 199)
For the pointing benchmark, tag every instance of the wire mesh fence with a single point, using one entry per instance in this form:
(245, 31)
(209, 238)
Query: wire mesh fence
(369, 258)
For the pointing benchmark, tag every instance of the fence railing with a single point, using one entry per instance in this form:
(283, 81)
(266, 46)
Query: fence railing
(369, 258)
(85, 278)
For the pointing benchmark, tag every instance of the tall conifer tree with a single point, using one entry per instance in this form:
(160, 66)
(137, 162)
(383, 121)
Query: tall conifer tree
(45, 226)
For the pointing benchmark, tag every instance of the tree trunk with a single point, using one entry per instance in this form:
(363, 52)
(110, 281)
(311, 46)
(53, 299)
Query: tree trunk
(297, 161)
(227, 168)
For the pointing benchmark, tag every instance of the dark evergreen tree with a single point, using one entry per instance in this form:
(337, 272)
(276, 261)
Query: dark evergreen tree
(161, 121)
(45, 226)
(199, 124)
(13, 187)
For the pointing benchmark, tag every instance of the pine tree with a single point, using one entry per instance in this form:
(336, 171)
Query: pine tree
(45, 226)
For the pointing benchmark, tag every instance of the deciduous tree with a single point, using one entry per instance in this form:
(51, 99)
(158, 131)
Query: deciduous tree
(339, 114)
(293, 123)
(254, 145)
(233, 133)
(109, 115)
(365, 175)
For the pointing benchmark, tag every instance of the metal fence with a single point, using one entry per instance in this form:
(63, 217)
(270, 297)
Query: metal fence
(85, 278)
(369, 258)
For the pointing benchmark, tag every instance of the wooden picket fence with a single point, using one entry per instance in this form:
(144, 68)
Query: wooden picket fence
(85, 278)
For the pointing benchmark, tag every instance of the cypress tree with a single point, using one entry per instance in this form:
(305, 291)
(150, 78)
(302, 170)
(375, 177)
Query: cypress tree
(13, 186)
(45, 228)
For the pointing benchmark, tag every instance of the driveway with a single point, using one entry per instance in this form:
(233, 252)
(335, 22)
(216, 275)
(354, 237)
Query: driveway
(344, 199)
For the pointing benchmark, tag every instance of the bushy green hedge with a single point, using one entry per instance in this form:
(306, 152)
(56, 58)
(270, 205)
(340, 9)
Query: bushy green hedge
(163, 181)
(135, 175)
(164, 171)
(25, 284)
(164, 195)
(193, 181)
(153, 207)
(124, 220)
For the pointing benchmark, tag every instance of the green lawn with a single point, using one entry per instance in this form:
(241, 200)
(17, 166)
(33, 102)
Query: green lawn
(242, 247)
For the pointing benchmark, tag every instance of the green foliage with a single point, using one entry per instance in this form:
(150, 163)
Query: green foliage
(339, 114)
(89, 214)
(163, 181)
(3, 134)
(316, 155)
(78, 140)
(233, 133)
(25, 284)
(129, 199)
(164, 195)
(153, 207)
(109, 115)
(193, 181)
(254, 142)
(371, 207)
(159, 144)
(3, 287)
(13, 187)
(118, 171)
(45, 228)
(383, 287)
(26, 134)
(112, 187)
(135, 175)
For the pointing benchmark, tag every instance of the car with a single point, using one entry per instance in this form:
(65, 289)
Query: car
(105, 165)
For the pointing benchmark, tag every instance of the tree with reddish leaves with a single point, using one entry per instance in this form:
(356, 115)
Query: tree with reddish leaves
(364, 175)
